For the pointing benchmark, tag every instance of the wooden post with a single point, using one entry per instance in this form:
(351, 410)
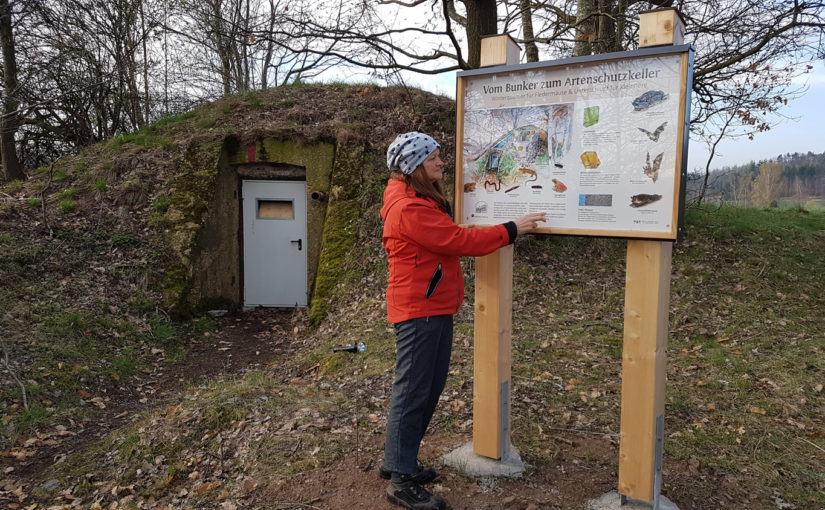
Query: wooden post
(644, 356)
(498, 50)
(493, 323)
(492, 357)
(661, 27)
(647, 301)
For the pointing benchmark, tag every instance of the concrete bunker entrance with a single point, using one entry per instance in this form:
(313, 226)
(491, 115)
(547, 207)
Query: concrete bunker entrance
(220, 271)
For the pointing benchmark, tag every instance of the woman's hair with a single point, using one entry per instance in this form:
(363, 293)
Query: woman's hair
(422, 185)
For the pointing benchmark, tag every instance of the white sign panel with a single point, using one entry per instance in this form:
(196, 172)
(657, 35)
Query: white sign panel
(595, 145)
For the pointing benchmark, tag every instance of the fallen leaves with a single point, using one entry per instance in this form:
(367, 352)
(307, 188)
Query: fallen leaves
(208, 487)
(572, 384)
(18, 453)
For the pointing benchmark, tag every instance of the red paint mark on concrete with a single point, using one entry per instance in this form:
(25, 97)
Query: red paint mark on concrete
(250, 153)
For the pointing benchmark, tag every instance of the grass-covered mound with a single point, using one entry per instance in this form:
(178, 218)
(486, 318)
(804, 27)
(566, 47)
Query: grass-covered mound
(92, 246)
(83, 320)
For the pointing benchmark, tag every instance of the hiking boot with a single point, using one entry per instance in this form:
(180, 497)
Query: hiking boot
(410, 494)
(423, 476)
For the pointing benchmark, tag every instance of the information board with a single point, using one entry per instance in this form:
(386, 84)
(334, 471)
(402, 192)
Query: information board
(598, 143)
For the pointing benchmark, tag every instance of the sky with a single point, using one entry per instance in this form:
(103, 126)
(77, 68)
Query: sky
(802, 128)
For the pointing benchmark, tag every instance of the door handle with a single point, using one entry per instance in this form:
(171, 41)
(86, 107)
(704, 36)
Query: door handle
(299, 242)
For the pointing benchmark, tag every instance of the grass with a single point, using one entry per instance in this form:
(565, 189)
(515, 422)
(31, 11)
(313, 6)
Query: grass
(172, 120)
(140, 139)
(186, 436)
(745, 351)
(12, 186)
(61, 339)
(68, 193)
(67, 205)
(126, 364)
(744, 347)
(162, 202)
(743, 338)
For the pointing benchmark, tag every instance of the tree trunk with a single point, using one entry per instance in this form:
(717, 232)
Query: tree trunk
(606, 31)
(530, 47)
(482, 20)
(10, 120)
(270, 46)
(585, 27)
(247, 78)
(222, 46)
(621, 23)
(143, 37)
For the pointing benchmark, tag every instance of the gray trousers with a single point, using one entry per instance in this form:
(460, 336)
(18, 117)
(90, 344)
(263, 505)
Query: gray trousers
(423, 348)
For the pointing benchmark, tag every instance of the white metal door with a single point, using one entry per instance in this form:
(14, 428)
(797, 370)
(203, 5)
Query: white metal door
(274, 243)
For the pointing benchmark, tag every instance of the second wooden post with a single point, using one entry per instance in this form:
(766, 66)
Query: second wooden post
(644, 353)
(493, 324)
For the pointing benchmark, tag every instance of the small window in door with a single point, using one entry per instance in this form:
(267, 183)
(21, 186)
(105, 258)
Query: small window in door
(275, 210)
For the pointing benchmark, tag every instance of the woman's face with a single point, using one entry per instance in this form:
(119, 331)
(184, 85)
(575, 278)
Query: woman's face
(433, 166)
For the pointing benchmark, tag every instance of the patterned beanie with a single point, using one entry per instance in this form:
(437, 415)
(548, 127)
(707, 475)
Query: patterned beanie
(409, 150)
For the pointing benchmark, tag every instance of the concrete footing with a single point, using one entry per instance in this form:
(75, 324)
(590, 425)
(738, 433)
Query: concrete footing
(613, 501)
(465, 460)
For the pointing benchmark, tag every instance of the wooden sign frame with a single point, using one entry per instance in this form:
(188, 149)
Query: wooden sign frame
(608, 196)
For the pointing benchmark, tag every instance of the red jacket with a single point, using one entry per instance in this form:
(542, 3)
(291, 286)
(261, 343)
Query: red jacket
(423, 247)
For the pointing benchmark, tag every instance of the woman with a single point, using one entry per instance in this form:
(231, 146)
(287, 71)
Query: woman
(425, 289)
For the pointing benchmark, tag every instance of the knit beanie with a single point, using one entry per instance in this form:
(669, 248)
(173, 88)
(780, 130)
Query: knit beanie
(409, 150)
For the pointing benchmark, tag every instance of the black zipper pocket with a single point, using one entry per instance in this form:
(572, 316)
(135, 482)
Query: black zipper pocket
(435, 279)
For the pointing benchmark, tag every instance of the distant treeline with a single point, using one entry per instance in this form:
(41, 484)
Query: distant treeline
(796, 176)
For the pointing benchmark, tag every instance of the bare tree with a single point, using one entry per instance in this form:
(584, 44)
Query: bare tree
(91, 69)
(748, 51)
(531, 49)
(84, 64)
(10, 120)
(765, 187)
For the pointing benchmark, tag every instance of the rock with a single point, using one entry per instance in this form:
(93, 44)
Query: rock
(51, 485)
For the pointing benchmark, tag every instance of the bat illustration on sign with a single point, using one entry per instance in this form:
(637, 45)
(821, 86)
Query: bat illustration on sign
(652, 170)
(654, 136)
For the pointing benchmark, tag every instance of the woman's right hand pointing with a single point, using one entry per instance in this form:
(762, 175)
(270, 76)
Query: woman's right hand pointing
(529, 222)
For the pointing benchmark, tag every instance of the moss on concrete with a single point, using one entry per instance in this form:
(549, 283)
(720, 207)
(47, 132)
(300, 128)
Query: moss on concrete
(348, 171)
(339, 238)
(193, 188)
(340, 227)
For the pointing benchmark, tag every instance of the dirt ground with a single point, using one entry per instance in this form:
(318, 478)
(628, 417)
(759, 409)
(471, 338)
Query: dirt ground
(583, 466)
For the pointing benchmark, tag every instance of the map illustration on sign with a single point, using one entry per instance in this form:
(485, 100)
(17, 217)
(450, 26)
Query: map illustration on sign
(593, 145)
(506, 148)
